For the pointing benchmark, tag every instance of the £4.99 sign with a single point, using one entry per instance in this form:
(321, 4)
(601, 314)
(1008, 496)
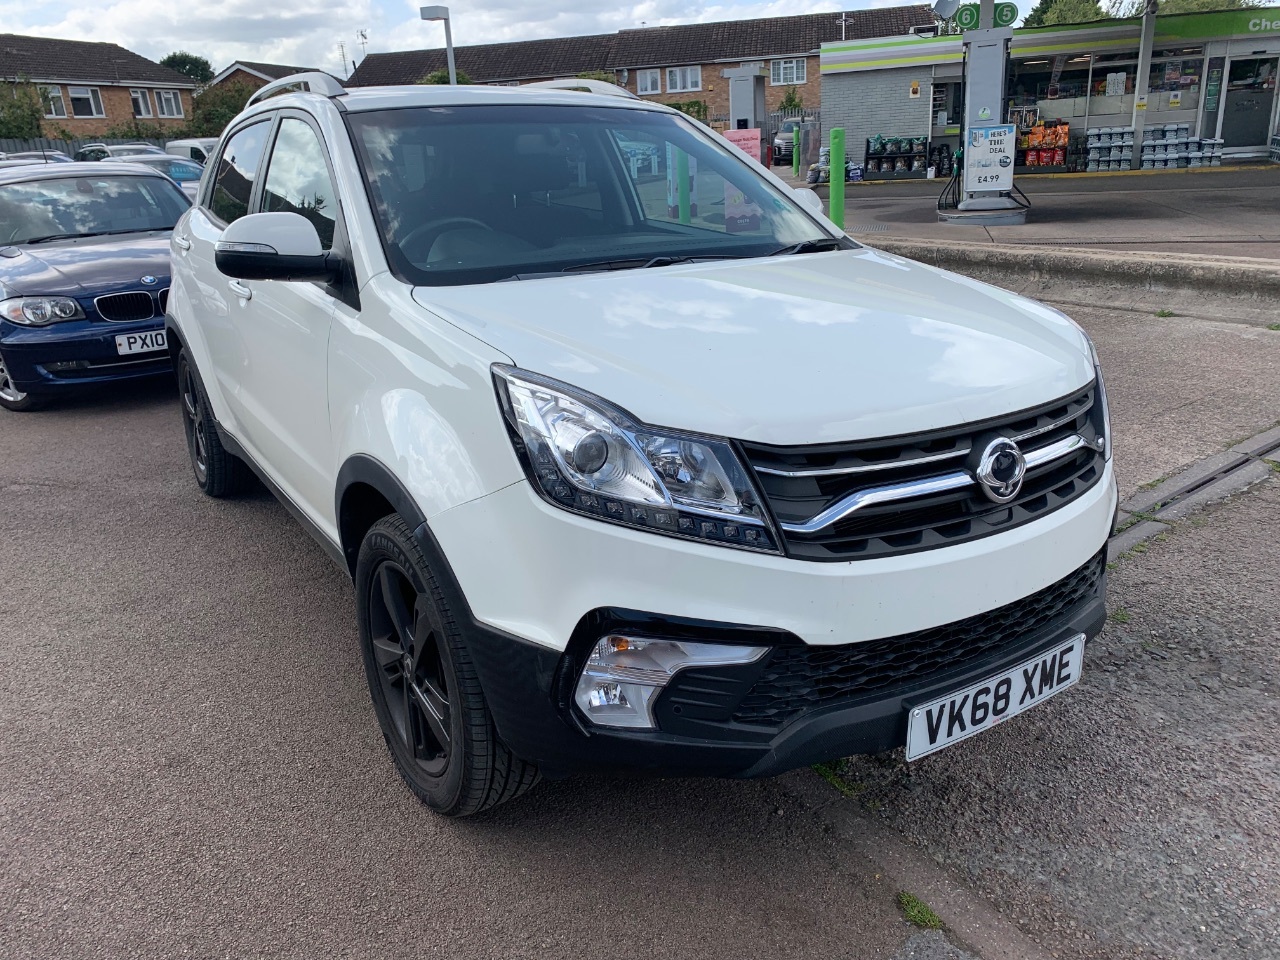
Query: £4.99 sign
(988, 157)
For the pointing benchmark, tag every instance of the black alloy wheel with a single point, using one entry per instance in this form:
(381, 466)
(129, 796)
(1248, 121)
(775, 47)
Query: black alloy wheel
(425, 691)
(411, 669)
(218, 472)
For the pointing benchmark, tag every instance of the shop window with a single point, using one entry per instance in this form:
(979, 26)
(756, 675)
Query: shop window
(684, 79)
(86, 102)
(648, 81)
(54, 107)
(787, 72)
(141, 103)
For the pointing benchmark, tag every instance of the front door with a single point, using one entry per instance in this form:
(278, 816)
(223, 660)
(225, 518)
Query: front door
(284, 330)
(1247, 107)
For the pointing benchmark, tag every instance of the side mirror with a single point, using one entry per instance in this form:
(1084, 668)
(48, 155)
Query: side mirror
(274, 246)
(809, 200)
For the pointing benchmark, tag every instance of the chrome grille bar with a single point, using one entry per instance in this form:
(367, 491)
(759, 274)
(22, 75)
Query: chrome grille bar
(892, 492)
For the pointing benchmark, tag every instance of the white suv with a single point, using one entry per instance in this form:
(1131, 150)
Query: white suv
(635, 466)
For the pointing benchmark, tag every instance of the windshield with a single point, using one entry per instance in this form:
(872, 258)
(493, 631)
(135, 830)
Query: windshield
(477, 194)
(67, 207)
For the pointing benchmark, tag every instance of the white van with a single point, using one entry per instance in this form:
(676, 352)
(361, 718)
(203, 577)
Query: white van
(197, 149)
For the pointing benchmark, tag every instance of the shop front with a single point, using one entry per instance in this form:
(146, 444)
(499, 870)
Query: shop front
(1069, 88)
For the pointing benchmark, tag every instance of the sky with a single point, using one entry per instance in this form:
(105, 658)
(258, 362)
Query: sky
(308, 32)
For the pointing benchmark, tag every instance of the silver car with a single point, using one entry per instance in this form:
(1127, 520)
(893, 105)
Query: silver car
(186, 173)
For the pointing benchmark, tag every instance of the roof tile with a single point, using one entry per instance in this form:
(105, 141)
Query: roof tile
(83, 61)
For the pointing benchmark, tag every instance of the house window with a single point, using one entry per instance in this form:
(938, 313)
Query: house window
(169, 103)
(683, 79)
(54, 107)
(141, 103)
(648, 81)
(787, 72)
(86, 102)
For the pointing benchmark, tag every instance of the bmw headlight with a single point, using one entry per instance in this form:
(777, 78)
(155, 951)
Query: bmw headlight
(585, 455)
(40, 311)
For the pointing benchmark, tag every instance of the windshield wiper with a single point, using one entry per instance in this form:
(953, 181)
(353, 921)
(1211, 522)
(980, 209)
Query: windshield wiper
(95, 233)
(817, 245)
(631, 263)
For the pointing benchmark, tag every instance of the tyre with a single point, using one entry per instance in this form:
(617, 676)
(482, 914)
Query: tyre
(218, 473)
(424, 687)
(11, 398)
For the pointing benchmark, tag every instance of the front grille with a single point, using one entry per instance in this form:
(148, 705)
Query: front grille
(164, 300)
(121, 307)
(799, 483)
(801, 678)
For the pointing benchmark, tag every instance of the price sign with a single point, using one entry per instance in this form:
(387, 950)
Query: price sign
(988, 157)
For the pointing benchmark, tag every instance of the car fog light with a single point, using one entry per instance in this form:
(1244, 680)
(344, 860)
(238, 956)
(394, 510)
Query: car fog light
(624, 675)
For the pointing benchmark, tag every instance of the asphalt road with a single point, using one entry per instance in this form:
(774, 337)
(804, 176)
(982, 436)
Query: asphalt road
(189, 765)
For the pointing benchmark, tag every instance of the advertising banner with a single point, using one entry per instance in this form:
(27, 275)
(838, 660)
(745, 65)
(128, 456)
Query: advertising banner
(988, 157)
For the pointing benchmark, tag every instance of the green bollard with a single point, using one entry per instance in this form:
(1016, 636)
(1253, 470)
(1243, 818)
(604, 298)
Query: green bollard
(682, 184)
(835, 205)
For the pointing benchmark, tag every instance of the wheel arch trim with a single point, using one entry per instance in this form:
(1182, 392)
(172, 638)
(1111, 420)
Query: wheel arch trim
(362, 469)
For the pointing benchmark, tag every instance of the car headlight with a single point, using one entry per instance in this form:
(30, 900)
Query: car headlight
(623, 675)
(39, 311)
(1102, 422)
(585, 455)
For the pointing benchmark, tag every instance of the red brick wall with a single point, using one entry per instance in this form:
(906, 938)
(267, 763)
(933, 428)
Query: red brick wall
(118, 106)
(715, 88)
(240, 76)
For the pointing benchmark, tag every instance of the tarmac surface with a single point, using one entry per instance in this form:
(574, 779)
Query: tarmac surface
(1224, 211)
(189, 764)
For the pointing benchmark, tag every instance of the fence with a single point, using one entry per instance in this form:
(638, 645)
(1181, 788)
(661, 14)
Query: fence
(69, 147)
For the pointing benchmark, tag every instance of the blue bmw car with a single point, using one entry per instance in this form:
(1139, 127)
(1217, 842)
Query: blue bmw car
(84, 276)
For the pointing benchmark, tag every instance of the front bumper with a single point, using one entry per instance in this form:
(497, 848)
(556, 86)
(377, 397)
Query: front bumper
(541, 585)
(43, 360)
(765, 718)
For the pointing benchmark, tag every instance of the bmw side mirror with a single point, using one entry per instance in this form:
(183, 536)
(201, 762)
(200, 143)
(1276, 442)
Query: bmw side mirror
(274, 246)
(809, 200)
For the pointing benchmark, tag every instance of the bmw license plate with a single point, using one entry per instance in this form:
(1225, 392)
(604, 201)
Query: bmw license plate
(932, 726)
(141, 342)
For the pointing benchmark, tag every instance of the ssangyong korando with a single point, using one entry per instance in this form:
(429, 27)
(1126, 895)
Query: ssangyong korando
(637, 465)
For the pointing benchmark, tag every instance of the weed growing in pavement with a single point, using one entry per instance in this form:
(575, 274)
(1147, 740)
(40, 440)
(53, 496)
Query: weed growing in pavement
(1273, 326)
(1152, 484)
(1164, 313)
(918, 912)
(1119, 615)
(830, 773)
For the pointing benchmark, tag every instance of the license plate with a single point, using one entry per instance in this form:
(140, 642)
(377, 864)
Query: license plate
(141, 342)
(932, 726)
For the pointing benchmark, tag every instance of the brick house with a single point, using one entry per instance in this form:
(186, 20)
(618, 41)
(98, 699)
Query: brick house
(256, 75)
(90, 87)
(667, 64)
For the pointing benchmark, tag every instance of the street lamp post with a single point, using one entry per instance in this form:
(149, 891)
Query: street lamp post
(442, 13)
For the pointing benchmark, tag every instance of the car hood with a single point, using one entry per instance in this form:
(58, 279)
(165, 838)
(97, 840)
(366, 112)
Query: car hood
(88, 267)
(811, 348)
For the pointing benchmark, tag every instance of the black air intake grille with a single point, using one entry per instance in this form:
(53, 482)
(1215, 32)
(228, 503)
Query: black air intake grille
(121, 307)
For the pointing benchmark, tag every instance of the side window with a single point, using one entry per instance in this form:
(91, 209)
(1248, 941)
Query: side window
(237, 171)
(298, 179)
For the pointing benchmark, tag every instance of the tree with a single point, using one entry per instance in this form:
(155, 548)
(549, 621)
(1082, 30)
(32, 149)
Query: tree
(1133, 8)
(791, 100)
(189, 65)
(442, 76)
(606, 75)
(1047, 13)
(21, 110)
(692, 108)
(217, 106)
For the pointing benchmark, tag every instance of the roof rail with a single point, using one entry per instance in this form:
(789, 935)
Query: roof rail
(314, 82)
(602, 87)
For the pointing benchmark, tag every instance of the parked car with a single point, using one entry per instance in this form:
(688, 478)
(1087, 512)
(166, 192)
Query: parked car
(186, 173)
(102, 151)
(196, 148)
(84, 276)
(784, 141)
(47, 156)
(623, 484)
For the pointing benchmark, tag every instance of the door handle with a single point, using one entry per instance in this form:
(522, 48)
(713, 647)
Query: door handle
(181, 242)
(240, 290)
